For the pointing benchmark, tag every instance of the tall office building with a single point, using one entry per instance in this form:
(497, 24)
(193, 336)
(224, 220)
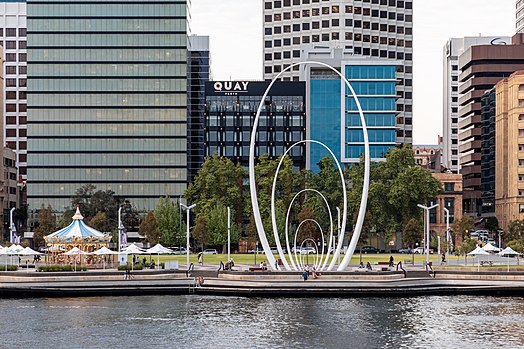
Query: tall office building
(107, 99)
(336, 122)
(13, 35)
(520, 16)
(509, 187)
(488, 166)
(481, 67)
(378, 29)
(198, 73)
(452, 50)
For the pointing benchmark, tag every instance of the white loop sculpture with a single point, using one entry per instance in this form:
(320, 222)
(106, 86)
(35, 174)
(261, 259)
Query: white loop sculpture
(314, 243)
(287, 222)
(363, 203)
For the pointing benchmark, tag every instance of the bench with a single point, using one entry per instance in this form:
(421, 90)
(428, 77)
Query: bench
(257, 269)
(382, 266)
(483, 263)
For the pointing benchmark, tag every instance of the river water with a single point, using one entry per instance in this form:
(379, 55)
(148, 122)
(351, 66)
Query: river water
(152, 322)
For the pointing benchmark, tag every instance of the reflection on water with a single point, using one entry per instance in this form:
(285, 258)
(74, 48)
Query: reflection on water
(218, 322)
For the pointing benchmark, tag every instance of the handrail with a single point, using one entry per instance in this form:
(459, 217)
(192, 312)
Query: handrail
(399, 264)
(191, 267)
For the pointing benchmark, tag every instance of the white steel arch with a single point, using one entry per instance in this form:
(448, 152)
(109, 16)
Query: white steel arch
(363, 203)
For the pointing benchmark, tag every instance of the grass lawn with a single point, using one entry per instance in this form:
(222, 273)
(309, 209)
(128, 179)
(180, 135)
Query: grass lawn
(250, 258)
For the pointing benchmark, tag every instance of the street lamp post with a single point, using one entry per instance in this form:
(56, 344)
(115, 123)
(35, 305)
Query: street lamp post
(448, 234)
(338, 234)
(12, 228)
(427, 209)
(188, 208)
(228, 234)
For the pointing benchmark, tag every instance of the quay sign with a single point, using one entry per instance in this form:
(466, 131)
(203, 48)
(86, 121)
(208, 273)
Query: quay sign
(254, 88)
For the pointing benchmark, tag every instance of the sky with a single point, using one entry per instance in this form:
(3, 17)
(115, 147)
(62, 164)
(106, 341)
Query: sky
(235, 30)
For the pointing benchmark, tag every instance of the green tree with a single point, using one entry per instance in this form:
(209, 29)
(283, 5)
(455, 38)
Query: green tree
(397, 186)
(308, 230)
(66, 218)
(218, 182)
(98, 222)
(46, 225)
(167, 215)
(200, 231)
(217, 227)
(412, 233)
(149, 228)
(468, 245)
(492, 224)
(462, 227)
(515, 231)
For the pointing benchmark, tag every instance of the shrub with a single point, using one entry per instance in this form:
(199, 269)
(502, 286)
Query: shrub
(9, 268)
(129, 267)
(61, 268)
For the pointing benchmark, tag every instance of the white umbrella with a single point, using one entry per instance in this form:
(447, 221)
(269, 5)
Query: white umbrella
(132, 249)
(104, 251)
(508, 251)
(75, 251)
(159, 249)
(478, 252)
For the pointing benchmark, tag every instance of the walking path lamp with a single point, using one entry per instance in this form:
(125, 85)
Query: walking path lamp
(12, 228)
(228, 234)
(427, 209)
(187, 230)
(448, 232)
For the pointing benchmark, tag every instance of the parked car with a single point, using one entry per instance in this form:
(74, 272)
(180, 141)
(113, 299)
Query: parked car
(259, 251)
(405, 250)
(308, 250)
(210, 251)
(180, 250)
(422, 250)
(369, 249)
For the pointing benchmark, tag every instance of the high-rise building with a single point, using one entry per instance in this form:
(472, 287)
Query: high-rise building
(198, 73)
(481, 67)
(230, 110)
(336, 123)
(509, 186)
(452, 50)
(13, 27)
(488, 168)
(520, 16)
(378, 29)
(107, 99)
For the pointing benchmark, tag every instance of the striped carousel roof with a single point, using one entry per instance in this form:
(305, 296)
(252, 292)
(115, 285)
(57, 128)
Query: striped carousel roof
(77, 230)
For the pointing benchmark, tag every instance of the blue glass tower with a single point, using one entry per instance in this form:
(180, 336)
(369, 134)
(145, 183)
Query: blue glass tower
(337, 124)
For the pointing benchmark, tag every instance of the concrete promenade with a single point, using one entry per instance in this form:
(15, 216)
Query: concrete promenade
(22, 284)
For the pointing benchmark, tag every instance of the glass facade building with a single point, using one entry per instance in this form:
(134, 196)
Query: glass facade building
(198, 74)
(488, 167)
(107, 99)
(375, 86)
(230, 110)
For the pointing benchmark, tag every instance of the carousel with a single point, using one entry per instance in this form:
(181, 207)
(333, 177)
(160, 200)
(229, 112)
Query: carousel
(79, 235)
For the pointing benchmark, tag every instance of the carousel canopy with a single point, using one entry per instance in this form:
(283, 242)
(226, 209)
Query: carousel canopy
(77, 231)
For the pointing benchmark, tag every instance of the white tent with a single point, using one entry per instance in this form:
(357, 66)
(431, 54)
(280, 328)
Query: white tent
(158, 250)
(490, 248)
(104, 251)
(478, 252)
(132, 249)
(508, 251)
(5, 252)
(28, 251)
(75, 251)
